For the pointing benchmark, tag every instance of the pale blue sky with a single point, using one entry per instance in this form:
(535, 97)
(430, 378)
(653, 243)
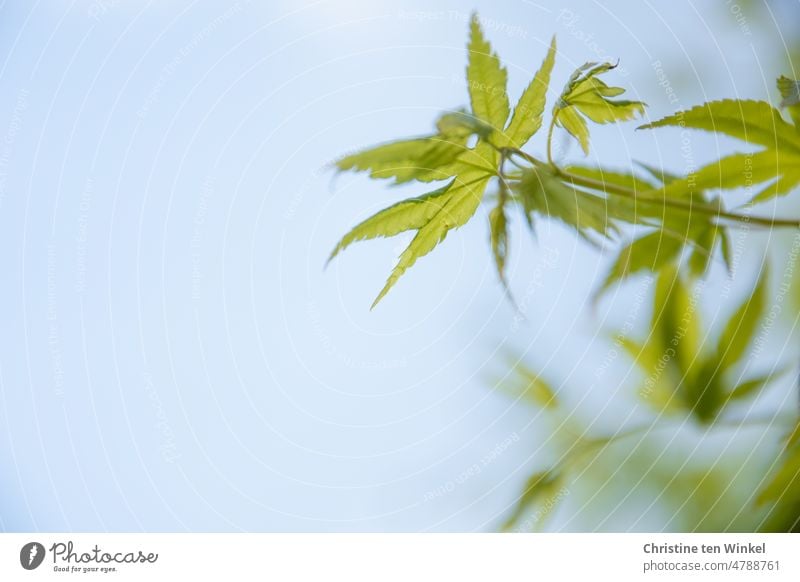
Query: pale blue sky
(174, 357)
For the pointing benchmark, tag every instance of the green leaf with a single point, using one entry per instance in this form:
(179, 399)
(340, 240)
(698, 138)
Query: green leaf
(541, 487)
(740, 330)
(531, 386)
(461, 124)
(544, 193)
(755, 122)
(586, 96)
(498, 235)
(410, 214)
(576, 126)
(790, 92)
(704, 243)
(527, 117)
(486, 80)
(612, 178)
(459, 203)
(419, 159)
(779, 170)
(703, 392)
(752, 386)
(659, 174)
(784, 484)
(676, 320)
(647, 253)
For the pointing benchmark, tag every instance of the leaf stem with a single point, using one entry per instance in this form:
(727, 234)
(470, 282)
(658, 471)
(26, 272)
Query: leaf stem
(550, 142)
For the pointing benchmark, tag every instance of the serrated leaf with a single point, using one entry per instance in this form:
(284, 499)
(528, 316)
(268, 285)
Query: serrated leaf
(576, 126)
(587, 96)
(756, 122)
(602, 110)
(459, 203)
(739, 331)
(612, 177)
(790, 94)
(660, 174)
(790, 91)
(410, 214)
(544, 193)
(413, 159)
(486, 79)
(527, 117)
(777, 167)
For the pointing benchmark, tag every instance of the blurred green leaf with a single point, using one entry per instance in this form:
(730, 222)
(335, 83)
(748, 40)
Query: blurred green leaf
(650, 252)
(751, 387)
(410, 214)
(740, 330)
(784, 484)
(541, 488)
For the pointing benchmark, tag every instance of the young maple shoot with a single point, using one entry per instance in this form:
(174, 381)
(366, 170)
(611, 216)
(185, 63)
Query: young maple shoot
(683, 222)
(680, 224)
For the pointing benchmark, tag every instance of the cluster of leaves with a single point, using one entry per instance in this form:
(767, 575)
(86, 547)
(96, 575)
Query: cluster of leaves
(679, 223)
(682, 222)
(447, 156)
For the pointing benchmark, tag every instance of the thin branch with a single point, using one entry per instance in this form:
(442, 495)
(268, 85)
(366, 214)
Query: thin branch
(684, 205)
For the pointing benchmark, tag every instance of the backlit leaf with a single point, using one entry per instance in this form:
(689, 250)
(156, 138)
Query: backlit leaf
(414, 159)
(459, 203)
(544, 193)
(755, 122)
(776, 168)
(790, 93)
(527, 117)
(486, 80)
(585, 95)
(410, 214)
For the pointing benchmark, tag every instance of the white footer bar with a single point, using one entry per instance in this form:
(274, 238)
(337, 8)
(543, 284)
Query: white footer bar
(399, 557)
